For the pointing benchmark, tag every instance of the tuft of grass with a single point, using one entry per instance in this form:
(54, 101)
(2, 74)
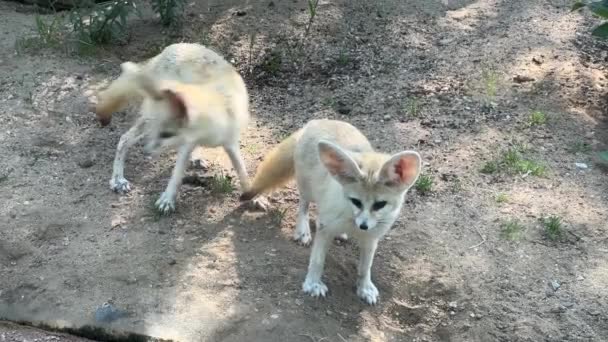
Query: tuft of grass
(102, 23)
(424, 184)
(272, 62)
(49, 34)
(329, 102)
(512, 230)
(489, 167)
(513, 161)
(580, 146)
(537, 118)
(411, 107)
(221, 184)
(501, 198)
(277, 215)
(552, 226)
(490, 82)
(171, 12)
(343, 59)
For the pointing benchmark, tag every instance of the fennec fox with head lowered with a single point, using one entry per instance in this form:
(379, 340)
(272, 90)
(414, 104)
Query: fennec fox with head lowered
(358, 192)
(191, 96)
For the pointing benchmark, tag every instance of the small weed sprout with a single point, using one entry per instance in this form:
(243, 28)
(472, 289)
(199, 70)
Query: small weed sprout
(412, 107)
(489, 167)
(221, 184)
(170, 11)
(552, 226)
(424, 184)
(277, 215)
(537, 118)
(501, 198)
(511, 230)
(512, 161)
(490, 82)
(580, 147)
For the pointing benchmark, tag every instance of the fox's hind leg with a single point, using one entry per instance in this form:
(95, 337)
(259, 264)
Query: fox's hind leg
(118, 183)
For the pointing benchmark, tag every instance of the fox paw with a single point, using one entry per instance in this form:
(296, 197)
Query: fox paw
(120, 185)
(368, 292)
(303, 238)
(165, 204)
(315, 288)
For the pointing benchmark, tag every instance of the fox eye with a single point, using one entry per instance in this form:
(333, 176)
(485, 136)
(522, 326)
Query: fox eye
(378, 205)
(356, 202)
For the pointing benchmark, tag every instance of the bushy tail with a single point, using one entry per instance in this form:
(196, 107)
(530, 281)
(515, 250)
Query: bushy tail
(118, 94)
(276, 169)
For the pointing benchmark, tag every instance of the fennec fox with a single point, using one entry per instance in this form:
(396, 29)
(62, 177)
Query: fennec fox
(191, 96)
(358, 192)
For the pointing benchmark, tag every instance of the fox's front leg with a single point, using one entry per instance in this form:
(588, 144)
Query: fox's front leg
(313, 284)
(238, 163)
(166, 203)
(118, 182)
(365, 288)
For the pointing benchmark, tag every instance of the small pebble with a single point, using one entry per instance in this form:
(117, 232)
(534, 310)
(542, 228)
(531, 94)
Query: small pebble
(581, 166)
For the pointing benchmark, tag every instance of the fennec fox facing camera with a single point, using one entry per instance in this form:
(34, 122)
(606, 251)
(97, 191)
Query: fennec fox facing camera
(358, 192)
(191, 96)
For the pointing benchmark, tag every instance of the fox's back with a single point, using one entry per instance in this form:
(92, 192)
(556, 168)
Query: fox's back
(309, 170)
(189, 63)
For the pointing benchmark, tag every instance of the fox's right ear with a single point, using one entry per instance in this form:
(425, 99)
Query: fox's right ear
(339, 164)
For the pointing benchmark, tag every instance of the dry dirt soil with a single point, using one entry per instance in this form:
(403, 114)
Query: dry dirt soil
(456, 80)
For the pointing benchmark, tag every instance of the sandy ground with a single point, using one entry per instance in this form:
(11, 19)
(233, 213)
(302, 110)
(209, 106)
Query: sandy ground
(435, 76)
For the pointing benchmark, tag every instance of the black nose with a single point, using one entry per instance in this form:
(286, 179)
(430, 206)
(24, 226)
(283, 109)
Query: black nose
(363, 226)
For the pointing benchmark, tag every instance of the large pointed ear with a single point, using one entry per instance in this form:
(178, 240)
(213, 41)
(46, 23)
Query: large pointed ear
(339, 164)
(402, 170)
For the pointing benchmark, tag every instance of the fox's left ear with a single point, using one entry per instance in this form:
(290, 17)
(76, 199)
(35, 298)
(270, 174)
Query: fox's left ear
(402, 170)
(177, 105)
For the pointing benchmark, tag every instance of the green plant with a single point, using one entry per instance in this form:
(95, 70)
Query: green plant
(552, 226)
(580, 147)
(501, 198)
(312, 13)
(171, 12)
(537, 118)
(101, 23)
(489, 167)
(48, 35)
(343, 59)
(599, 8)
(221, 184)
(490, 82)
(272, 62)
(511, 230)
(412, 107)
(277, 215)
(424, 184)
(514, 162)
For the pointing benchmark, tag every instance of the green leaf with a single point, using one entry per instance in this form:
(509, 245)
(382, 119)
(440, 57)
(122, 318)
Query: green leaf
(577, 5)
(600, 8)
(601, 31)
(604, 156)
